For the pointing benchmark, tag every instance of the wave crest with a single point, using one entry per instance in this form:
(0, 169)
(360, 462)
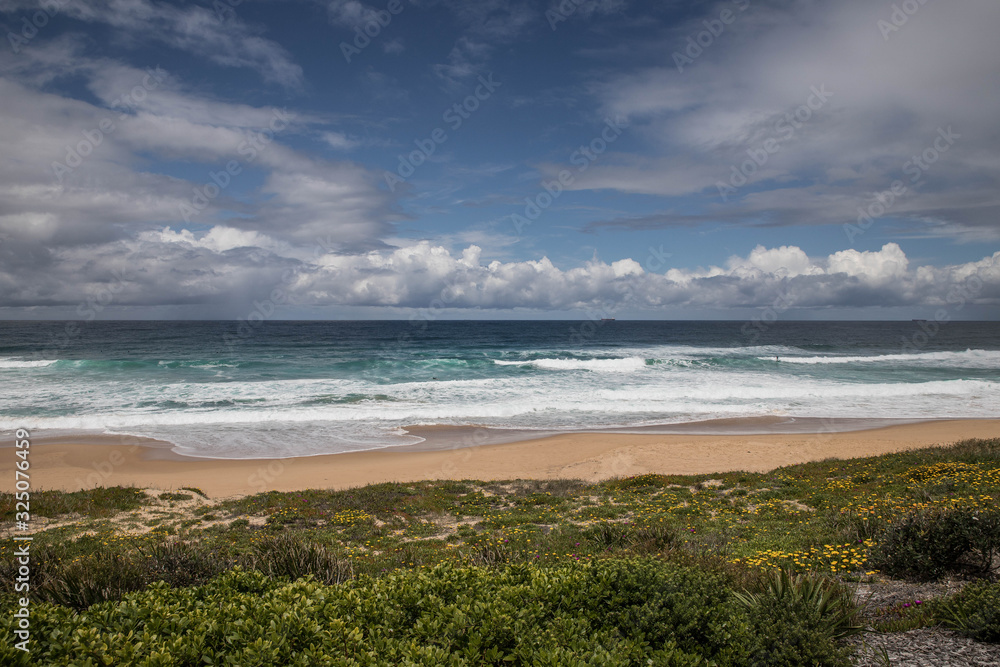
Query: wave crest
(623, 365)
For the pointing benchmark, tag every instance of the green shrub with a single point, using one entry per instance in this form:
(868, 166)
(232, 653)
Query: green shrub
(649, 538)
(836, 612)
(490, 555)
(926, 545)
(974, 611)
(612, 612)
(655, 538)
(798, 619)
(785, 636)
(181, 563)
(106, 575)
(647, 481)
(175, 496)
(608, 534)
(288, 556)
(92, 579)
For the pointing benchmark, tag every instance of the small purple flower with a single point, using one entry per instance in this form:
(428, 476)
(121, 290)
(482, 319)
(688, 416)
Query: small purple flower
(906, 604)
(917, 602)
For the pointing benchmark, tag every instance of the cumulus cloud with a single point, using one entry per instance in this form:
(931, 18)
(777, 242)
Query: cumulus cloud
(168, 267)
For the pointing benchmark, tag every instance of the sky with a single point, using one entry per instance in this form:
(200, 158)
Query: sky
(302, 159)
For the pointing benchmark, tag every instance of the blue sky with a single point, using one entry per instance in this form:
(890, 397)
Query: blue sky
(499, 159)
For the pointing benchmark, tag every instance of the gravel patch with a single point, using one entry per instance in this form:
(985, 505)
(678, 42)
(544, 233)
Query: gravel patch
(886, 593)
(926, 647)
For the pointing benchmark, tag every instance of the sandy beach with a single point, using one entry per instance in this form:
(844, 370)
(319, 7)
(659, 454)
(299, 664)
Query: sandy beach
(105, 461)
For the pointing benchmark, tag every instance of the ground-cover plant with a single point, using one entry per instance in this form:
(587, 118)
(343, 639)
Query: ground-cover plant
(902, 616)
(92, 503)
(611, 612)
(974, 611)
(175, 496)
(829, 517)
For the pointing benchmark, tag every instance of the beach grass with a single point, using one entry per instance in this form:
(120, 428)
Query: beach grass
(822, 516)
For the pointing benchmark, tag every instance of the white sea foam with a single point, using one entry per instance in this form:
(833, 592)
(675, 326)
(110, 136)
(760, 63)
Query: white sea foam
(611, 365)
(249, 414)
(23, 363)
(966, 359)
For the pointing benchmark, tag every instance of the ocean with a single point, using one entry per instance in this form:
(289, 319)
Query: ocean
(279, 389)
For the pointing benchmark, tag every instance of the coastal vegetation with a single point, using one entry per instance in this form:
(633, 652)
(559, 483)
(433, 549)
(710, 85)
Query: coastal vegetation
(727, 569)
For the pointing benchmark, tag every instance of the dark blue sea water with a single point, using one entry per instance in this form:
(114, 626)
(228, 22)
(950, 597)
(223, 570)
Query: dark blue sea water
(297, 388)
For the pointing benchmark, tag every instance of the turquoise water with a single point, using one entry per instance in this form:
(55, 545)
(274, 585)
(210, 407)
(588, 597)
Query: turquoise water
(298, 388)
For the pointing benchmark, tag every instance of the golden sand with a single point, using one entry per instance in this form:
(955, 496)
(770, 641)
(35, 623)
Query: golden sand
(89, 462)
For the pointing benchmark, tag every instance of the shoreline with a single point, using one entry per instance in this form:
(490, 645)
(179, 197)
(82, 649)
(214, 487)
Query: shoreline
(437, 437)
(88, 462)
(442, 436)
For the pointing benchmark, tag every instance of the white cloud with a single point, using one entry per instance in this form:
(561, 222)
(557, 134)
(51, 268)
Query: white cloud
(218, 239)
(888, 100)
(786, 261)
(73, 171)
(226, 265)
(220, 36)
(888, 263)
(340, 141)
(351, 13)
